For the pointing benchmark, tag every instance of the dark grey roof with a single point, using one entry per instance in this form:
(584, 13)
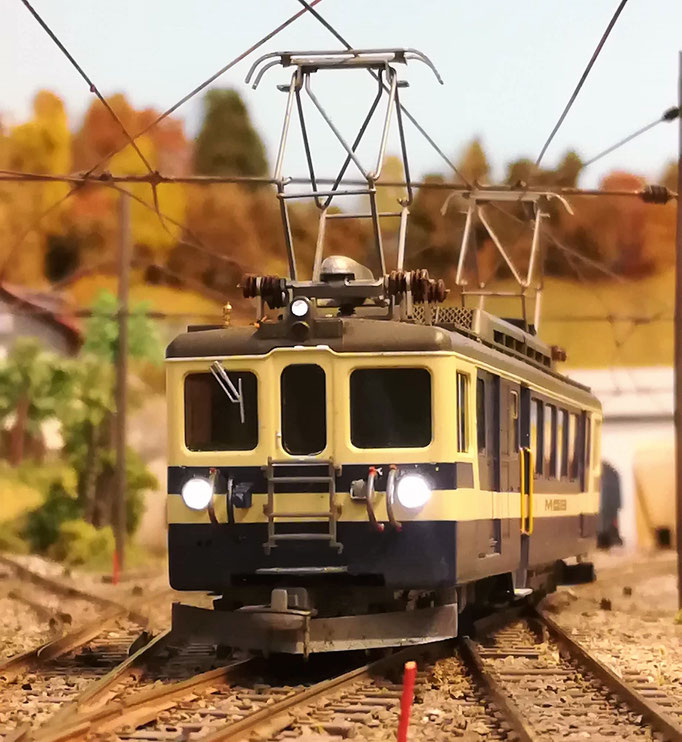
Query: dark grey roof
(372, 336)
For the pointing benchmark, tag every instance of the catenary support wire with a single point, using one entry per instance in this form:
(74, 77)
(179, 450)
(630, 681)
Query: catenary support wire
(581, 81)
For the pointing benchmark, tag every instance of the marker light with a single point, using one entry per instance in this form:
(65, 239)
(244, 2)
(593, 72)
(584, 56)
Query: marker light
(299, 307)
(413, 491)
(197, 493)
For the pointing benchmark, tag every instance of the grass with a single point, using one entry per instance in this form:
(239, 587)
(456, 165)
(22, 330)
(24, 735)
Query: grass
(575, 317)
(16, 496)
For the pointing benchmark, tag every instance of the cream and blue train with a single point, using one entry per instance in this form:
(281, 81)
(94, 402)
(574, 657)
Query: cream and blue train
(357, 471)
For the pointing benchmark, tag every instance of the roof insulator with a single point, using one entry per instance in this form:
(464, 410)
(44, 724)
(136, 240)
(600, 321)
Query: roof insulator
(655, 194)
(671, 114)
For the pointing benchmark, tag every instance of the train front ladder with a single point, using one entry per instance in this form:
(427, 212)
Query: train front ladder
(276, 476)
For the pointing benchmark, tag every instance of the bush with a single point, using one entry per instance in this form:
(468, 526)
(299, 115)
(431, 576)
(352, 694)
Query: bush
(11, 541)
(43, 524)
(80, 543)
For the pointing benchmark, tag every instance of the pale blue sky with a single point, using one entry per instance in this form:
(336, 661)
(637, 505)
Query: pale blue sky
(508, 67)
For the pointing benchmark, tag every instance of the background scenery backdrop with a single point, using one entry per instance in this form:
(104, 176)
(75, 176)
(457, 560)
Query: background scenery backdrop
(609, 289)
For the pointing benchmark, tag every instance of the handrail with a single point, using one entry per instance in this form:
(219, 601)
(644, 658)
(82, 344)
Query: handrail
(390, 493)
(368, 500)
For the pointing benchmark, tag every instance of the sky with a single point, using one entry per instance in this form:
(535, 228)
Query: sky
(508, 69)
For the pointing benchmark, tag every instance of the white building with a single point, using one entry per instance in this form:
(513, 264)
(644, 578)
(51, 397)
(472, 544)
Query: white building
(638, 441)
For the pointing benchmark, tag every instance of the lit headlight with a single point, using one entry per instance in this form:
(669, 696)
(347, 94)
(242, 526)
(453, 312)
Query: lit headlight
(413, 491)
(197, 493)
(299, 307)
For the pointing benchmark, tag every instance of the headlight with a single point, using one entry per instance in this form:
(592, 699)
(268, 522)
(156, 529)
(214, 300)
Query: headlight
(197, 493)
(413, 491)
(299, 307)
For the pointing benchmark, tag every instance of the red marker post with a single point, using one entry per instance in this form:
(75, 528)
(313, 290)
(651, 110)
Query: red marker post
(115, 568)
(406, 700)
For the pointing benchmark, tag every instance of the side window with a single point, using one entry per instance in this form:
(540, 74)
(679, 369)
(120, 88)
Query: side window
(587, 449)
(462, 407)
(572, 445)
(514, 420)
(480, 414)
(548, 440)
(562, 441)
(596, 443)
(536, 431)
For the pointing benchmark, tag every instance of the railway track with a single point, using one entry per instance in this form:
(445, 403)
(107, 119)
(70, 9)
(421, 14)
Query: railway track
(73, 665)
(526, 679)
(551, 687)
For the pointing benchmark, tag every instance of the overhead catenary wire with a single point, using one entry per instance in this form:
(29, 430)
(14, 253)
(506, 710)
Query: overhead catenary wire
(669, 115)
(93, 88)
(152, 175)
(582, 80)
(309, 7)
(159, 178)
(203, 85)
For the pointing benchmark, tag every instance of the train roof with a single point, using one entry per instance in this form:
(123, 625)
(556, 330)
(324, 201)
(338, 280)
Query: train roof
(364, 335)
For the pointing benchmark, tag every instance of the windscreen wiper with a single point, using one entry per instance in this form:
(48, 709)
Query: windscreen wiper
(232, 392)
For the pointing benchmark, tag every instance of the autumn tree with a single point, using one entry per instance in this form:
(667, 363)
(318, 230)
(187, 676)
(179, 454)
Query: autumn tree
(40, 145)
(473, 164)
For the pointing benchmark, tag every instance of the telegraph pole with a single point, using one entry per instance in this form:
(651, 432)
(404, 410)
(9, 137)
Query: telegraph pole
(124, 254)
(678, 350)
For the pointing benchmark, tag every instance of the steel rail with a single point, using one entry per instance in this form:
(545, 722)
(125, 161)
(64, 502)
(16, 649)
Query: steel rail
(654, 714)
(276, 716)
(500, 698)
(140, 708)
(57, 647)
(96, 693)
(61, 587)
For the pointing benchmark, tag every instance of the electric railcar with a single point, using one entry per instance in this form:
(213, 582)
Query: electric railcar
(356, 472)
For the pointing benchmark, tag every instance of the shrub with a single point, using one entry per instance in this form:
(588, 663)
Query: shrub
(80, 543)
(11, 541)
(42, 524)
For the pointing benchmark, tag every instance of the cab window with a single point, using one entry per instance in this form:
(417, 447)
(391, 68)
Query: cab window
(212, 421)
(304, 409)
(390, 408)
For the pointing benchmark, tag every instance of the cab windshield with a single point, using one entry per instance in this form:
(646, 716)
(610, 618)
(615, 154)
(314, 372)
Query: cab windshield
(390, 408)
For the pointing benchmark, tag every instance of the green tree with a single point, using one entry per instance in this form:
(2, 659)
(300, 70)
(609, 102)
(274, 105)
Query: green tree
(228, 144)
(88, 420)
(101, 331)
(33, 385)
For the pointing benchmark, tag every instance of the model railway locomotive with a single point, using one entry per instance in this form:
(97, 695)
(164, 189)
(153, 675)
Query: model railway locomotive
(356, 471)
(352, 476)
